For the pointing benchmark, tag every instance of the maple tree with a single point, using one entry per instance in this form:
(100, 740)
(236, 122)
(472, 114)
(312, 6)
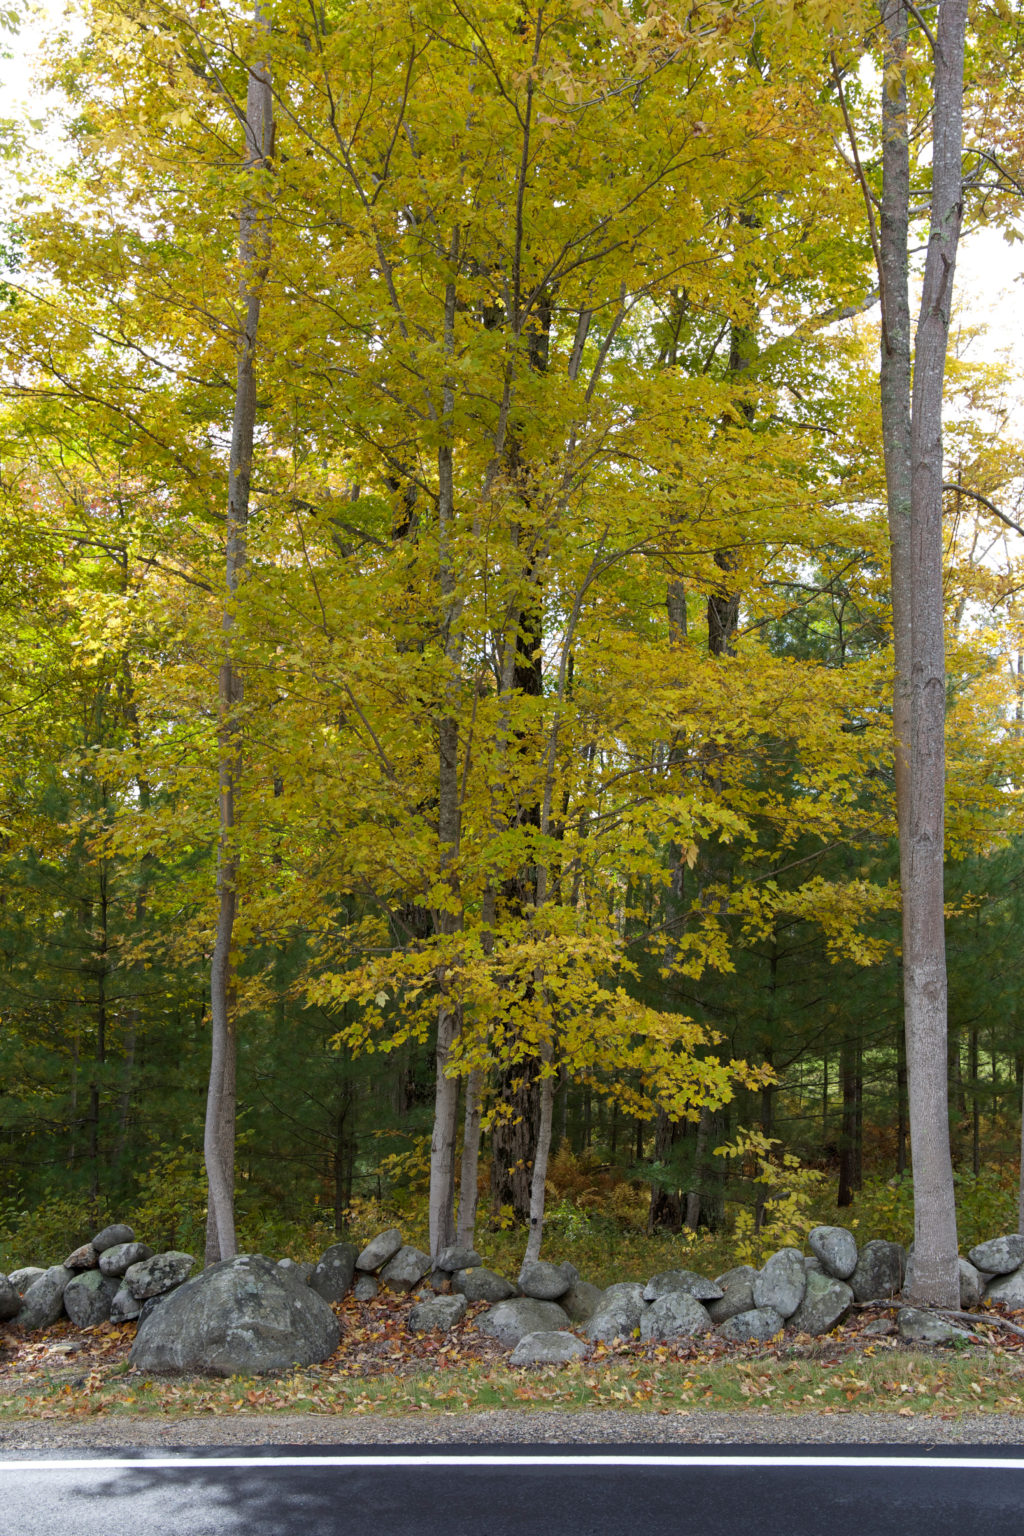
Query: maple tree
(535, 418)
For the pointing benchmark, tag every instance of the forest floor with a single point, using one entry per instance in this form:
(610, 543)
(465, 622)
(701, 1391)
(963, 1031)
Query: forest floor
(380, 1368)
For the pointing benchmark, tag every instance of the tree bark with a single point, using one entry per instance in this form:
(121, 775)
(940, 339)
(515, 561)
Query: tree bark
(446, 1093)
(538, 1181)
(935, 1272)
(253, 249)
(469, 1170)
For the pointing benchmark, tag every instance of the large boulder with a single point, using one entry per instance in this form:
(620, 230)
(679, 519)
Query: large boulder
(456, 1256)
(781, 1283)
(1007, 1289)
(826, 1303)
(546, 1282)
(581, 1301)
(332, 1276)
(918, 1327)
(482, 1285)
(43, 1302)
(437, 1314)
(163, 1272)
(556, 1348)
(119, 1259)
(836, 1248)
(243, 1316)
(737, 1287)
(510, 1321)
(1000, 1255)
(380, 1248)
(758, 1326)
(89, 1297)
(685, 1281)
(675, 1315)
(618, 1315)
(405, 1271)
(111, 1236)
(880, 1269)
(84, 1257)
(21, 1279)
(10, 1300)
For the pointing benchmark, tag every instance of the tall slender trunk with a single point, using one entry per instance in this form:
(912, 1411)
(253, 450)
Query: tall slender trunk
(538, 1181)
(253, 249)
(446, 1088)
(470, 1167)
(935, 1271)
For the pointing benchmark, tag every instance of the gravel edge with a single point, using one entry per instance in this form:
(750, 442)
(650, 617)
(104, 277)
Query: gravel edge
(505, 1427)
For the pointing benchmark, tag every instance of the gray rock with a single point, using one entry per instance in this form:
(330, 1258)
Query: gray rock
(405, 1271)
(737, 1294)
(437, 1314)
(119, 1259)
(674, 1315)
(164, 1271)
(151, 1303)
(972, 1286)
(758, 1326)
(781, 1282)
(618, 1315)
(381, 1248)
(917, 1327)
(879, 1272)
(1008, 1289)
(482, 1285)
(365, 1288)
(43, 1302)
(1000, 1255)
(510, 1321)
(332, 1276)
(440, 1280)
(242, 1316)
(880, 1328)
(685, 1281)
(836, 1247)
(553, 1348)
(21, 1279)
(581, 1301)
(302, 1268)
(111, 1236)
(10, 1300)
(813, 1266)
(543, 1281)
(85, 1257)
(455, 1257)
(89, 1297)
(826, 1303)
(124, 1308)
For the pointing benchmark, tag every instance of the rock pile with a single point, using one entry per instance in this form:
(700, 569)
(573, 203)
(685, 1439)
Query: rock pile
(111, 1277)
(249, 1314)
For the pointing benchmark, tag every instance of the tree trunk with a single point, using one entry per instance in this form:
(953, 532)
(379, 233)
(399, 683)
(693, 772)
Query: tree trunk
(469, 1172)
(253, 248)
(446, 1091)
(935, 1272)
(848, 1131)
(540, 1162)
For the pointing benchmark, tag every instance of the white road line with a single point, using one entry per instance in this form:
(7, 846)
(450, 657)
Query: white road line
(407, 1463)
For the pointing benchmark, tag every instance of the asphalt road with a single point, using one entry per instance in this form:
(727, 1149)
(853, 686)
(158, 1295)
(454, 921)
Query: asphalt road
(472, 1491)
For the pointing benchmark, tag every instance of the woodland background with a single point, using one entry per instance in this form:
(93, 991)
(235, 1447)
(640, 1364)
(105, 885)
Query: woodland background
(562, 633)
